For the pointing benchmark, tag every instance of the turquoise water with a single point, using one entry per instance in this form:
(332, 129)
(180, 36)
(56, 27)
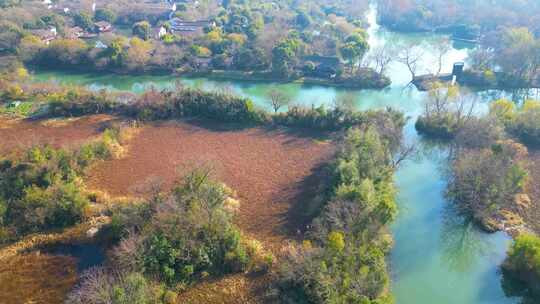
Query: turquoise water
(437, 257)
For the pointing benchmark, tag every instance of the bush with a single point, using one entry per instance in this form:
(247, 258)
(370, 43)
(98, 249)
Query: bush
(336, 119)
(522, 122)
(446, 111)
(103, 14)
(142, 30)
(523, 261)
(345, 263)
(444, 127)
(526, 125)
(42, 189)
(159, 105)
(487, 180)
(99, 285)
(188, 234)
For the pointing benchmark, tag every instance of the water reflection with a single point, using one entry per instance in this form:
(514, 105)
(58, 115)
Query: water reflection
(462, 243)
(515, 288)
(438, 256)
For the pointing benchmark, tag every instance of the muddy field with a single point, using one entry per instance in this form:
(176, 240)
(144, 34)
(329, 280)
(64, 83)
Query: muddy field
(273, 172)
(20, 134)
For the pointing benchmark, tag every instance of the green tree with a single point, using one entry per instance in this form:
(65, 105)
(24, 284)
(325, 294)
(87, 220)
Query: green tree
(285, 56)
(84, 20)
(116, 52)
(519, 54)
(354, 49)
(104, 14)
(249, 58)
(303, 20)
(523, 261)
(142, 30)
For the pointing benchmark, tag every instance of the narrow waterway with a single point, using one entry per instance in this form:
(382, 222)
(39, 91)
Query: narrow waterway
(438, 257)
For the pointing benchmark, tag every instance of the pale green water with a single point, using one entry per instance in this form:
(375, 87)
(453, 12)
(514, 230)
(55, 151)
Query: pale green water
(437, 258)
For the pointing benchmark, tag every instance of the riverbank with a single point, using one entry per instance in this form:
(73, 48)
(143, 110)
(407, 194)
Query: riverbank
(365, 79)
(477, 80)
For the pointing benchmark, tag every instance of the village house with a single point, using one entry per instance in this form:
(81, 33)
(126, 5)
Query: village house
(202, 63)
(190, 27)
(323, 66)
(100, 45)
(160, 32)
(103, 26)
(74, 33)
(46, 36)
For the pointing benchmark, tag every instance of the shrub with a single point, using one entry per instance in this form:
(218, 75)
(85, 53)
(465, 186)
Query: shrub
(188, 234)
(522, 122)
(526, 125)
(479, 133)
(523, 261)
(99, 285)
(324, 275)
(103, 14)
(142, 30)
(336, 119)
(443, 127)
(42, 189)
(446, 111)
(345, 263)
(485, 181)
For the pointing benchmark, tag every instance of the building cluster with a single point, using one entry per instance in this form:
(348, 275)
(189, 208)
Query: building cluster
(175, 25)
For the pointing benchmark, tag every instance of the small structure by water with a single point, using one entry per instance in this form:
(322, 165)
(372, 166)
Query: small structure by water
(458, 68)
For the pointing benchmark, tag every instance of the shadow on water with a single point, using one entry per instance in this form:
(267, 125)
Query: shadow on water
(88, 255)
(461, 242)
(513, 287)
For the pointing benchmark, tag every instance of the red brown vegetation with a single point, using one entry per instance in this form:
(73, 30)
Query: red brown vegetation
(233, 289)
(272, 171)
(275, 174)
(33, 278)
(20, 134)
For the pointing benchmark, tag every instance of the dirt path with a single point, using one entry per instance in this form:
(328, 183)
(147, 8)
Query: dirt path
(274, 173)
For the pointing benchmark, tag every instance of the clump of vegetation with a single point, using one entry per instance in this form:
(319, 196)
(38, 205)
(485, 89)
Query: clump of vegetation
(101, 286)
(338, 118)
(344, 260)
(237, 39)
(522, 122)
(446, 111)
(485, 181)
(173, 240)
(523, 261)
(43, 188)
(58, 101)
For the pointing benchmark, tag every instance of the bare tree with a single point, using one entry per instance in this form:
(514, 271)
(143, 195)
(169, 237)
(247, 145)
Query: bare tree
(405, 151)
(441, 47)
(450, 101)
(411, 55)
(346, 102)
(277, 99)
(382, 56)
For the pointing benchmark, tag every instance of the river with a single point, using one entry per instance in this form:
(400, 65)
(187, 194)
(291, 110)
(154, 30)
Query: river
(438, 257)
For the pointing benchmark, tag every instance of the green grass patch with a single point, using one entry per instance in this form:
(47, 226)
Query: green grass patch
(24, 109)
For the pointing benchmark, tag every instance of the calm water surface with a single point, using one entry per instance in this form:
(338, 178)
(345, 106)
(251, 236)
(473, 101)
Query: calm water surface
(438, 258)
